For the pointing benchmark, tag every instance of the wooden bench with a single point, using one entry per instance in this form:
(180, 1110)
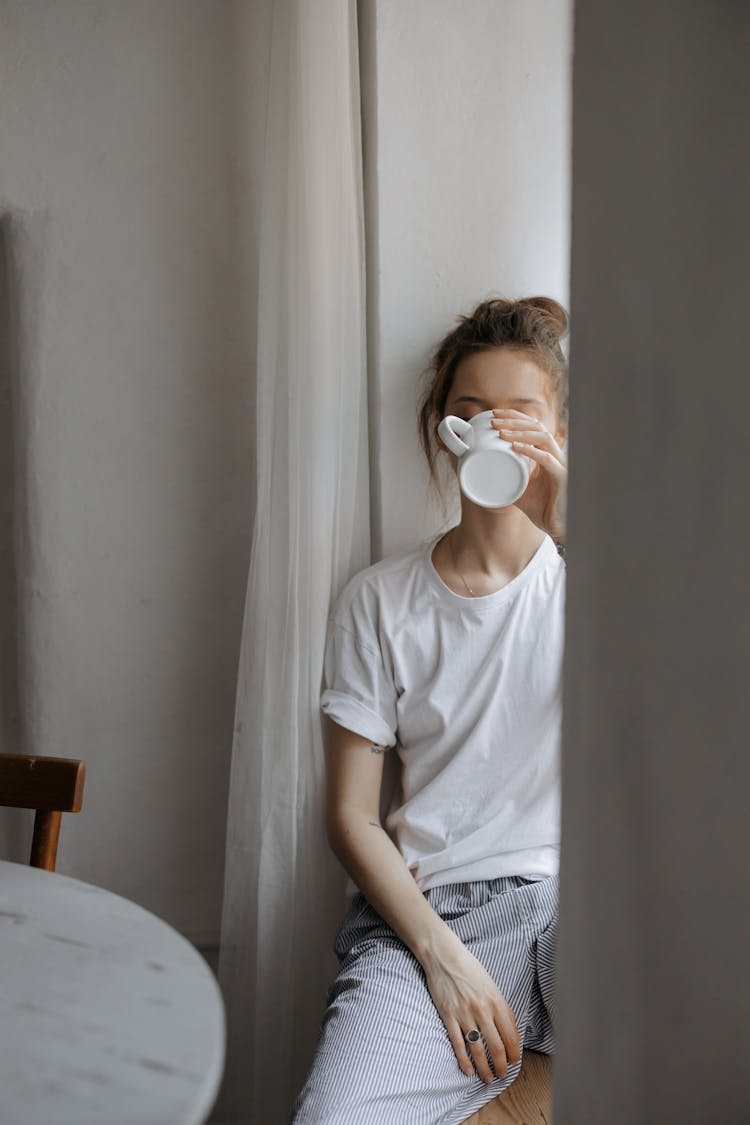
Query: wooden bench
(528, 1099)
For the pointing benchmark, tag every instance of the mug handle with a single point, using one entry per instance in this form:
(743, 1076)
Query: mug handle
(447, 430)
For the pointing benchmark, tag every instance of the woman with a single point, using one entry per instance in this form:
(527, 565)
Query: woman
(451, 652)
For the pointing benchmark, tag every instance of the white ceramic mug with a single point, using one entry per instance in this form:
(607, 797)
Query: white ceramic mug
(490, 472)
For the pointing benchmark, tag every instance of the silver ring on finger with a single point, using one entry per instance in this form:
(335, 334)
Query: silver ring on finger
(473, 1036)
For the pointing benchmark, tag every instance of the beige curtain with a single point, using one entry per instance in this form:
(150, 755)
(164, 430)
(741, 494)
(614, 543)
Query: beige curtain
(284, 890)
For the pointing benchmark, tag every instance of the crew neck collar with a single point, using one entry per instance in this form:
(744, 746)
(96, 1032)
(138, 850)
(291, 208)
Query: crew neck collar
(544, 553)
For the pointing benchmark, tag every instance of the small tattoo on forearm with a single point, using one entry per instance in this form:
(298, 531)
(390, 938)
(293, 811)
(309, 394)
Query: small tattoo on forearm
(375, 749)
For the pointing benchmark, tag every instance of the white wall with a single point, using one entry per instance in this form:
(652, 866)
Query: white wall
(467, 162)
(127, 389)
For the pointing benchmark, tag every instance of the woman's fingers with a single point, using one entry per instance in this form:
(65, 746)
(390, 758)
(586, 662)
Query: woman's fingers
(479, 1056)
(543, 456)
(501, 1036)
(505, 1019)
(497, 1035)
(519, 430)
(472, 1055)
(460, 1046)
(496, 1048)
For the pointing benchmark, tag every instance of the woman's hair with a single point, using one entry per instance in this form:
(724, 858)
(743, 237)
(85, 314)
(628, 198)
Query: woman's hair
(534, 326)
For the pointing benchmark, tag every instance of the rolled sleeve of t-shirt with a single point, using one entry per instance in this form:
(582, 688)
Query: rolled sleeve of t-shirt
(358, 694)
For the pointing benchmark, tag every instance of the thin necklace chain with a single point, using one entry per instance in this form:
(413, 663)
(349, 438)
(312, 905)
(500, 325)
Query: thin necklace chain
(458, 572)
(560, 549)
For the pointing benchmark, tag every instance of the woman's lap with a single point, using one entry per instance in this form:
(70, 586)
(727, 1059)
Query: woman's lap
(384, 1056)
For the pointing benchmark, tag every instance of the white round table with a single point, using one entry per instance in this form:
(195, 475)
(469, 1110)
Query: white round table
(108, 1016)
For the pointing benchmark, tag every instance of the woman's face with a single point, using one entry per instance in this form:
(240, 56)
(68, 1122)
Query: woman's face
(501, 377)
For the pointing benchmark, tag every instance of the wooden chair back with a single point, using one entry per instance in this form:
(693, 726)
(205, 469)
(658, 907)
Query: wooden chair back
(51, 786)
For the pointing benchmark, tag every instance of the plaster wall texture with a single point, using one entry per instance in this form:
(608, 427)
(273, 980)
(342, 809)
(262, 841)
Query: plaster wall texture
(126, 404)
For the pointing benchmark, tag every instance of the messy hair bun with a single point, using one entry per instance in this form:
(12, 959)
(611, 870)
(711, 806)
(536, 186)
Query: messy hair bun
(553, 313)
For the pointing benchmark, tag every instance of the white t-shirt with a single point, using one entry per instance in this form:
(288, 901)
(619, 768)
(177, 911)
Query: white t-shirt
(469, 692)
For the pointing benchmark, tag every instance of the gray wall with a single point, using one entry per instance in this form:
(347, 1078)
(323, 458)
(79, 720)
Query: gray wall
(126, 430)
(654, 1017)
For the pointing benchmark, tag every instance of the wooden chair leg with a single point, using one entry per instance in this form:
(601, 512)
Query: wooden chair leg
(528, 1099)
(44, 841)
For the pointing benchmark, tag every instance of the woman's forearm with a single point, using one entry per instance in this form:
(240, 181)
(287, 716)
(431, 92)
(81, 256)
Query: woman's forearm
(375, 864)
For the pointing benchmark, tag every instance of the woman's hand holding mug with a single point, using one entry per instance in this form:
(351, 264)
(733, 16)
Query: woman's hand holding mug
(544, 500)
(466, 997)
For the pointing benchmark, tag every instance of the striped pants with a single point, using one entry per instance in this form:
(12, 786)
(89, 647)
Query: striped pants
(384, 1056)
